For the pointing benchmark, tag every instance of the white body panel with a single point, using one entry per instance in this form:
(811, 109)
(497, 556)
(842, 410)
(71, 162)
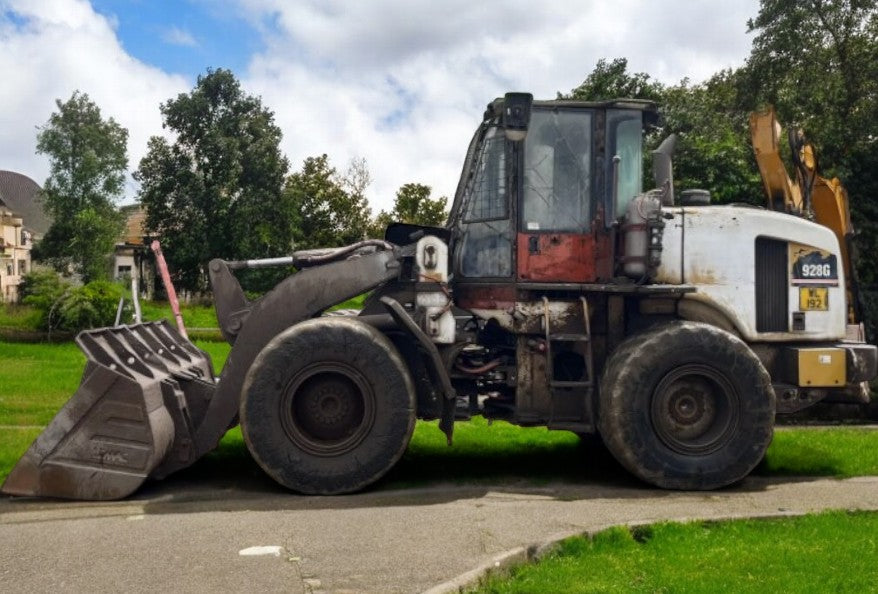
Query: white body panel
(713, 248)
(431, 256)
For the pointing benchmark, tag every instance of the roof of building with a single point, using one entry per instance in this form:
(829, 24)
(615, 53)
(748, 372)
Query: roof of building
(23, 196)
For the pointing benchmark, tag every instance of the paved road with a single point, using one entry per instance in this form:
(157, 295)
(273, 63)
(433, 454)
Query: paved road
(187, 538)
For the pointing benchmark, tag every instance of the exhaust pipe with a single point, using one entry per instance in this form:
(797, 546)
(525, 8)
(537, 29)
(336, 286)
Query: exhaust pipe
(663, 170)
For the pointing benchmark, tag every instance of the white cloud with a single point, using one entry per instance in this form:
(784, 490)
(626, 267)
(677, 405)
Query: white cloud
(178, 36)
(52, 48)
(402, 83)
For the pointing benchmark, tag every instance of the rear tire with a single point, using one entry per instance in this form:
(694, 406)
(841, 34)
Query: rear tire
(686, 406)
(328, 406)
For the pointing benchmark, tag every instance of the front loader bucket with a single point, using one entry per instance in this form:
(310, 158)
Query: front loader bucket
(142, 396)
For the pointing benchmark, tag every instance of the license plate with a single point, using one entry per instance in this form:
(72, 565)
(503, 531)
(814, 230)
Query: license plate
(813, 298)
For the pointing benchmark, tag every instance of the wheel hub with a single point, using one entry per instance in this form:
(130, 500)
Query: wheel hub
(328, 409)
(694, 409)
(328, 406)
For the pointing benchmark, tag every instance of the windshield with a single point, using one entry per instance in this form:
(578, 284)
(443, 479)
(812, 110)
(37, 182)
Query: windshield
(557, 171)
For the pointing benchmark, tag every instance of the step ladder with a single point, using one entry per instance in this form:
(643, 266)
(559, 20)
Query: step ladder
(561, 388)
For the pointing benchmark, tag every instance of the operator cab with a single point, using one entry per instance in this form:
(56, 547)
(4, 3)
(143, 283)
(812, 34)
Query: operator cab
(540, 207)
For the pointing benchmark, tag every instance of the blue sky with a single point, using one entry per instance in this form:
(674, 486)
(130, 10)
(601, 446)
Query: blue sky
(399, 83)
(183, 37)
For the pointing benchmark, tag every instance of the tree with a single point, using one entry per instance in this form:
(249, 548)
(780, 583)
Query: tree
(413, 205)
(87, 161)
(333, 208)
(216, 191)
(713, 149)
(817, 62)
(612, 81)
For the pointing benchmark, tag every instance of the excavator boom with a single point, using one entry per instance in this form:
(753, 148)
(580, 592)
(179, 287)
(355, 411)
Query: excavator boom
(810, 195)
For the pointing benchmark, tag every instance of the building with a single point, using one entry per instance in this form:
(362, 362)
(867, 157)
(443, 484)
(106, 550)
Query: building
(22, 221)
(132, 258)
(15, 244)
(23, 196)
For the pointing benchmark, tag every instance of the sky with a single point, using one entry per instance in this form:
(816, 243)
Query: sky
(399, 83)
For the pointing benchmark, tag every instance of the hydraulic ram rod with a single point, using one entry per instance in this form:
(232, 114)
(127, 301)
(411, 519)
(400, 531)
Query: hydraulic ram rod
(262, 263)
(305, 258)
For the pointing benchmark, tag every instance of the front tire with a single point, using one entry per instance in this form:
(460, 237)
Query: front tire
(686, 406)
(328, 406)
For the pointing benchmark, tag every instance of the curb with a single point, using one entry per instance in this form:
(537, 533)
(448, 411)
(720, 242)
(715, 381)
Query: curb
(499, 563)
(508, 560)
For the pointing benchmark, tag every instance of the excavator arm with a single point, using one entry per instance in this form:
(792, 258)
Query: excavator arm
(782, 193)
(810, 195)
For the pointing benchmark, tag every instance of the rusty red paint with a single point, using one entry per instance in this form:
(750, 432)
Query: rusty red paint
(485, 296)
(558, 257)
(604, 255)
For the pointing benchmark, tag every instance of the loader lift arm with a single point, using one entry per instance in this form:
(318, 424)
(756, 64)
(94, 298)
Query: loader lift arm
(297, 298)
(148, 404)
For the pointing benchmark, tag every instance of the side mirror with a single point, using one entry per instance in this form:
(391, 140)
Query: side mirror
(516, 115)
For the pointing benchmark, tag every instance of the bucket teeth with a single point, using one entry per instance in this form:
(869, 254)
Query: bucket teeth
(143, 393)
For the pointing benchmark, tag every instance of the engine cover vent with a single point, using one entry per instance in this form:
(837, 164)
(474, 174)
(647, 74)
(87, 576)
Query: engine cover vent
(772, 293)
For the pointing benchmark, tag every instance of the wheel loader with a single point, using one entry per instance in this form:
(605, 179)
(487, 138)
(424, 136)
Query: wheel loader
(560, 294)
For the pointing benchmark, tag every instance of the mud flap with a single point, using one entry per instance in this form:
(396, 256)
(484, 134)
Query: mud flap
(143, 394)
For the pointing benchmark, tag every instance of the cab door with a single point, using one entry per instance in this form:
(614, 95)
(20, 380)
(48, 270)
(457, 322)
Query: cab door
(555, 241)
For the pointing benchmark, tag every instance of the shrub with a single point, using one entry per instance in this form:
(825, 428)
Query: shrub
(44, 290)
(90, 306)
(63, 306)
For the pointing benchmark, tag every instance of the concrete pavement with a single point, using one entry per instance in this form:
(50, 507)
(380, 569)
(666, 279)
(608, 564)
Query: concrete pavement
(187, 538)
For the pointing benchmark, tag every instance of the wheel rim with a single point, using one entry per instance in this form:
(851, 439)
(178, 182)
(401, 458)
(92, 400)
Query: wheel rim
(695, 410)
(327, 409)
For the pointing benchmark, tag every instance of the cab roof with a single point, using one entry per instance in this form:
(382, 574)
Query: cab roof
(496, 106)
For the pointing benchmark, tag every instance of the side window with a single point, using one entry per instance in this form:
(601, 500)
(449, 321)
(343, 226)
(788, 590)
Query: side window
(487, 192)
(625, 134)
(487, 250)
(557, 172)
(486, 247)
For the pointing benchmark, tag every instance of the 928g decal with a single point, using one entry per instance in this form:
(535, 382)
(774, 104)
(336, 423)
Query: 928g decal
(810, 271)
(812, 266)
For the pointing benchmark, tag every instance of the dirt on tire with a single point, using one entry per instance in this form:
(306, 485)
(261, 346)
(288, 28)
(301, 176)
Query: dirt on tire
(686, 405)
(328, 406)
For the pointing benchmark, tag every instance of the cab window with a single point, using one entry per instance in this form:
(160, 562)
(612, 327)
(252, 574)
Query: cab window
(557, 172)
(486, 247)
(625, 140)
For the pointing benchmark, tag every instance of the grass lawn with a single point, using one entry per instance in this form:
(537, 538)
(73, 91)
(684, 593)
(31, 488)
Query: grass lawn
(20, 317)
(194, 315)
(23, 317)
(840, 452)
(828, 552)
(37, 379)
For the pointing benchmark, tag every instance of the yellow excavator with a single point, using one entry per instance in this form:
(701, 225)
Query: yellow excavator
(809, 195)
